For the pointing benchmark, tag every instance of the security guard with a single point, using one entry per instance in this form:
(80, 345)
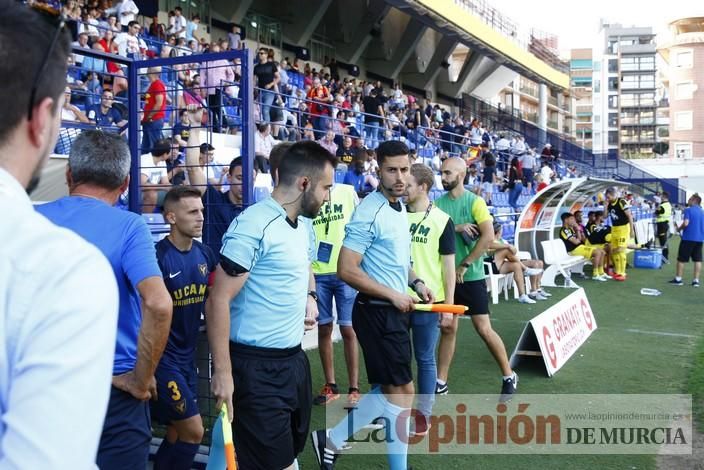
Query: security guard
(662, 223)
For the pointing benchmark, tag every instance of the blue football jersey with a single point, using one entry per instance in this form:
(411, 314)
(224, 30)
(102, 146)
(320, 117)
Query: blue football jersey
(186, 275)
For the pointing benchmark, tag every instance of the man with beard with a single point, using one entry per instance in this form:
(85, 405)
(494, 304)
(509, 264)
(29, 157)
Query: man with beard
(473, 233)
(57, 313)
(375, 260)
(186, 265)
(257, 308)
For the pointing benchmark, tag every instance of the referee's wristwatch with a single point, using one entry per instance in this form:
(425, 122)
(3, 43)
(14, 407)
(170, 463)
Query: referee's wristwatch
(313, 294)
(414, 285)
(465, 265)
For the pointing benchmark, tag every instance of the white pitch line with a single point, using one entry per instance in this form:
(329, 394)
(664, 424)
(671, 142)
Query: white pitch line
(661, 333)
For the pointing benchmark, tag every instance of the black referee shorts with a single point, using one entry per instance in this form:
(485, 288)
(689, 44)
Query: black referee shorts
(473, 295)
(272, 401)
(382, 332)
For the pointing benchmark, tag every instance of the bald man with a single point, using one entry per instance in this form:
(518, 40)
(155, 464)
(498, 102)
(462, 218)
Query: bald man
(473, 234)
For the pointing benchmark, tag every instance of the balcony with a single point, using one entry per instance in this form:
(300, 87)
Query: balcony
(529, 91)
(552, 100)
(637, 122)
(552, 125)
(531, 117)
(638, 49)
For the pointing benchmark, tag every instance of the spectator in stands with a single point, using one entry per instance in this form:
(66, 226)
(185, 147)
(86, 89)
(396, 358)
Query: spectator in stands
(528, 163)
(574, 241)
(515, 185)
(89, 24)
(182, 129)
(519, 147)
(105, 115)
(234, 38)
(154, 110)
(266, 76)
(356, 176)
(503, 258)
(345, 154)
(127, 12)
(220, 208)
(546, 153)
(373, 118)
(192, 27)
(128, 43)
(328, 142)
(692, 231)
(263, 143)
(546, 172)
(98, 172)
(540, 182)
(178, 23)
(488, 177)
(473, 179)
(308, 131)
(214, 173)
(155, 178)
(72, 10)
(320, 100)
(53, 344)
(214, 76)
(111, 25)
(71, 112)
(502, 145)
(80, 43)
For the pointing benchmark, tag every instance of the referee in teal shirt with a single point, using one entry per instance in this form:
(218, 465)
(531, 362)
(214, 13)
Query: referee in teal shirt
(256, 313)
(375, 259)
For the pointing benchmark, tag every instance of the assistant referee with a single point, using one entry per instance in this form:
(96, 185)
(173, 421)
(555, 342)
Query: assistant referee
(256, 312)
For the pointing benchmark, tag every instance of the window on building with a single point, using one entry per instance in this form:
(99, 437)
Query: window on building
(597, 66)
(613, 137)
(684, 91)
(597, 86)
(613, 119)
(597, 118)
(646, 63)
(613, 83)
(612, 47)
(613, 101)
(684, 59)
(683, 150)
(613, 65)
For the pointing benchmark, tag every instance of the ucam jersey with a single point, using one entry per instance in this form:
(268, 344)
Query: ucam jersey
(186, 275)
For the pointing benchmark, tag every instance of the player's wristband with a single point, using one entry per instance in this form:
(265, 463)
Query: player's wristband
(413, 285)
(313, 294)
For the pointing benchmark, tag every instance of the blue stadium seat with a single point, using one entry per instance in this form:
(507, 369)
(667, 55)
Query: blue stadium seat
(339, 176)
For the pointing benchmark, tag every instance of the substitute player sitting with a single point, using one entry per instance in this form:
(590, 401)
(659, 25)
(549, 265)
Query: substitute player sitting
(187, 266)
(598, 235)
(575, 246)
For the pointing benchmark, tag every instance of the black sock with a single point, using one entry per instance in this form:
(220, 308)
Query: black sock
(182, 455)
(162, 459)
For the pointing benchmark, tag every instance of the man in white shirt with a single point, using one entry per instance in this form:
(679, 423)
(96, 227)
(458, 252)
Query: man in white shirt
(528, 164)
(263, 143)
(154, 174)
(179, 23)
(127, 13)
(57, 313)
(128, 43)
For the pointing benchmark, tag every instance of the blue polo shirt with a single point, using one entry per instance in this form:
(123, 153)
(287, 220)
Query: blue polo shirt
(379, 232)
(124, 238)
(111, 118)
(270, 309)
(694, 231)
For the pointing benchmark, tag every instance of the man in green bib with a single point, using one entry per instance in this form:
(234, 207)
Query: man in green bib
(433, 256)
(662, 223)
(329, 228)
(473, 234)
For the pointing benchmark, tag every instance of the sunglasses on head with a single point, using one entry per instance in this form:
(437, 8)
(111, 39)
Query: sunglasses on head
(51, 10)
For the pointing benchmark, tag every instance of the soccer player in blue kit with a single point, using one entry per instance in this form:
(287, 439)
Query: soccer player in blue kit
(187, 266)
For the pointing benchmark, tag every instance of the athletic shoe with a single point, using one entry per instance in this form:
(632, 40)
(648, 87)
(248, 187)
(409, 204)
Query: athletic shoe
(325, 454)
(441, 389)
(421, 425)
(675, 282)
(524, 299)
(599, 278)
(544, 293)
(537, 296)
(607, 276)
(327, 394)
(353, 396)
(618, 277)
(508, 388)
(532, 271)
(695, 283)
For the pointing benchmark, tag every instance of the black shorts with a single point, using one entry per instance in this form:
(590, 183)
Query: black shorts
(689, 249)
(663, 228)
(473, 295)
(382, 332)
(273, 400)
(127, 433)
